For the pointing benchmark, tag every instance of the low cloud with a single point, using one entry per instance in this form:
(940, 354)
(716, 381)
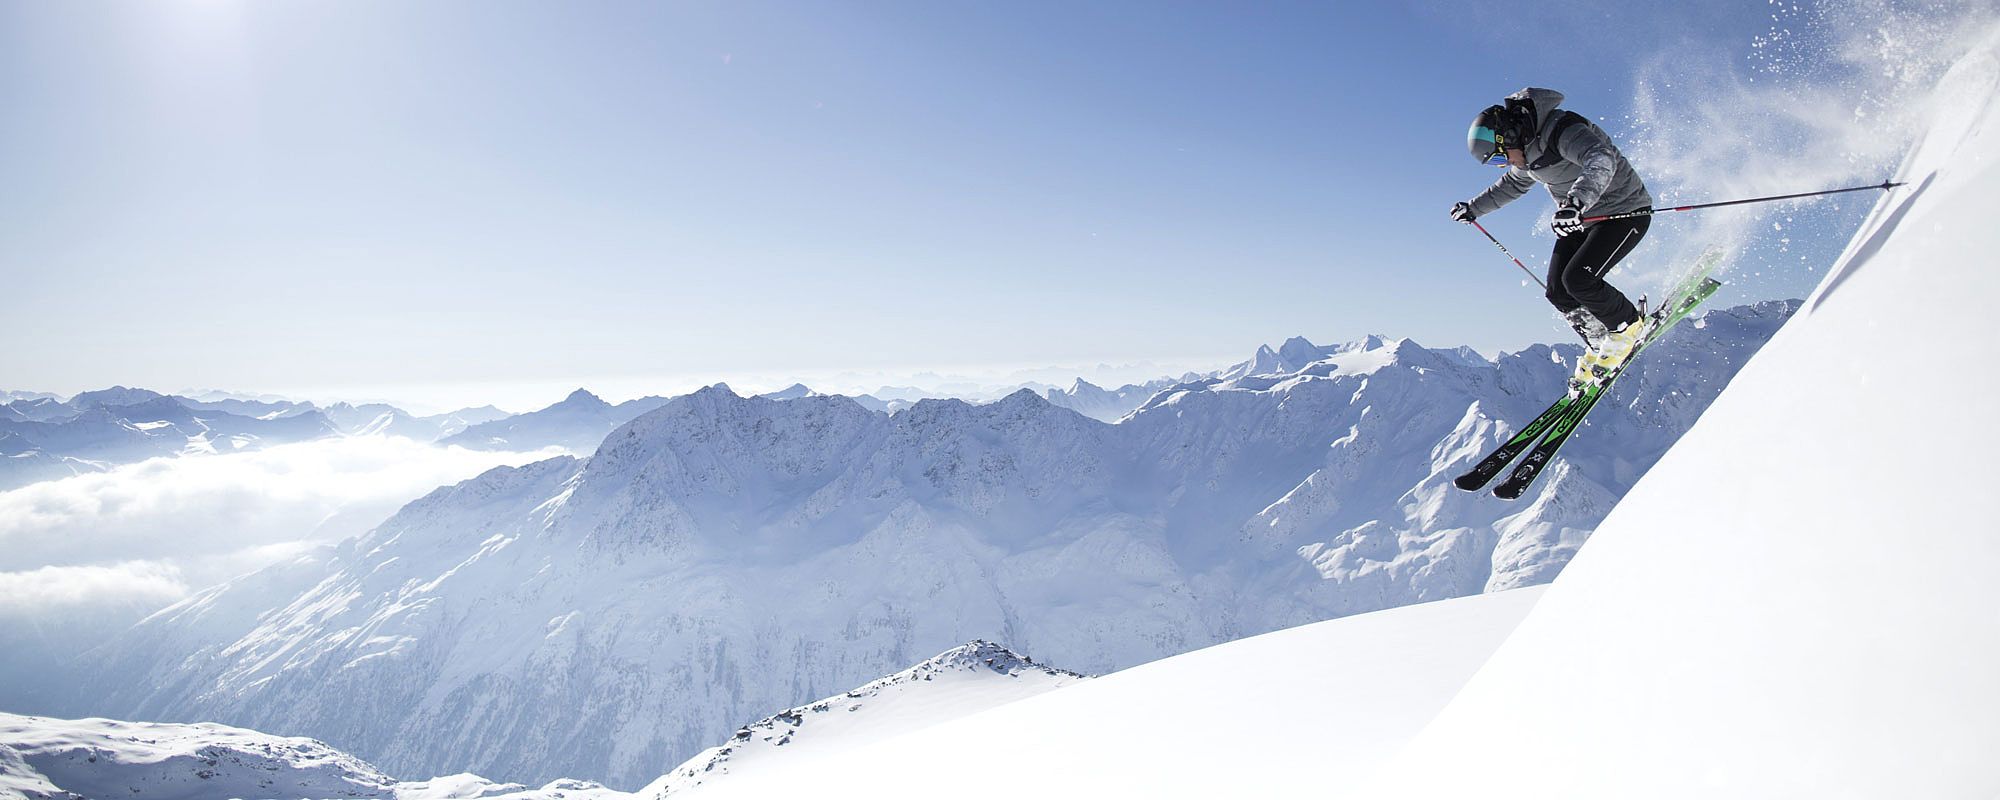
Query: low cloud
(125, 585)
(152, 532)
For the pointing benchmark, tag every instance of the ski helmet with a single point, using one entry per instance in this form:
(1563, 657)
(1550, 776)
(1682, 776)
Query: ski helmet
(1496, 129)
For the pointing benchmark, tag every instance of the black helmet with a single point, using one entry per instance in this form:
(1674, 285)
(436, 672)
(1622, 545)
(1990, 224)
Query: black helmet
(1498, 128)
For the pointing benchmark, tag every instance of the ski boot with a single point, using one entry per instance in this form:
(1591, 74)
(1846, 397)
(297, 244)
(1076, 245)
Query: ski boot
(1586, 325)
(1615, 347)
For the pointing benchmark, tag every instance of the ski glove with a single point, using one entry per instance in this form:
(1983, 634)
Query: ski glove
(1568, 221)
(1462, 212)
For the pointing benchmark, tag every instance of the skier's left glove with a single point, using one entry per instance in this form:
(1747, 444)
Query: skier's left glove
(1568, 221)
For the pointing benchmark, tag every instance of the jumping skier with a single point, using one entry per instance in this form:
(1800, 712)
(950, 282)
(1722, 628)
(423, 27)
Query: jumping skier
(1587, 175)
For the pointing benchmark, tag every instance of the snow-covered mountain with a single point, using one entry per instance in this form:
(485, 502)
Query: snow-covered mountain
(1106, 405)
(792, 392)
(957, 683)
(250, 407)
(381, 418)
(39, 409)
(99, 758)
(44, 439)
(22, 462)
(114, 396)
(11, 395)
(59, 759)
(216, 431)
(93, 759)
(722, 556)
(577, 423)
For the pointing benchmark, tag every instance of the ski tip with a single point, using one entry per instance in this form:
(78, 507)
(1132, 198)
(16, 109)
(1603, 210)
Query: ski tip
(1470, 483)
(1508, 491)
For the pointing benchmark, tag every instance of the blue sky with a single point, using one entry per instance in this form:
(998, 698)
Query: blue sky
(374, 195)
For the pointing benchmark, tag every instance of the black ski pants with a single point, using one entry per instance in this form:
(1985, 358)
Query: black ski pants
(1576, 271)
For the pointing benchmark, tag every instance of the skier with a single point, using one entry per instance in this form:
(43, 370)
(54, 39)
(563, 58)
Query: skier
(1587, 175)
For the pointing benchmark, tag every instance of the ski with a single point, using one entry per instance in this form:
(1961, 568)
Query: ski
(1489, 467)
(1587, 395)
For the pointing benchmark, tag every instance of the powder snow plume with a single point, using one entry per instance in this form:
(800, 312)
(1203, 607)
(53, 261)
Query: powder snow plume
(1832, 95)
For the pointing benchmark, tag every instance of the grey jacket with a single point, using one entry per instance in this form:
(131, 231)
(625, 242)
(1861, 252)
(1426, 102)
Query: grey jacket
(1590, 172)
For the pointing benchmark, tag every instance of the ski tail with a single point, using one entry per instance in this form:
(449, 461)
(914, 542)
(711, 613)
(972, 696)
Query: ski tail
(1531, 467)
(1489, 467)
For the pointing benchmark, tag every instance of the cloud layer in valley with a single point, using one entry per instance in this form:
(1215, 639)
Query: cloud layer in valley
(146, 534)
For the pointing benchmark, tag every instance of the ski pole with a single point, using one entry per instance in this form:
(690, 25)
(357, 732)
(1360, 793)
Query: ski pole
(1524, 267)
(1510, 256)
(1885, 186)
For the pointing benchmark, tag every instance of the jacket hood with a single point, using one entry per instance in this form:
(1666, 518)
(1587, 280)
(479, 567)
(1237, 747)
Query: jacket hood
(1545, 102)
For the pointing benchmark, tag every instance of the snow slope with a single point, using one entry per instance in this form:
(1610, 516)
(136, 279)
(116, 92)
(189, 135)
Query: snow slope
(1848, 647)
(957, 683)
(1299, 712)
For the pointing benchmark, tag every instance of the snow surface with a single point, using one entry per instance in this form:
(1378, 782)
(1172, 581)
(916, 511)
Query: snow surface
(1848, 644)
(1294, 713)
(960, 682)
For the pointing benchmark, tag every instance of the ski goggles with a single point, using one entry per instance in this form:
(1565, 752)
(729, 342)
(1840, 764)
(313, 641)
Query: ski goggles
(1486, 144)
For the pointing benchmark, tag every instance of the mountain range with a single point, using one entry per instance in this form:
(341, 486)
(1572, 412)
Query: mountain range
(59, 759)
(720, 556)
(43, 437)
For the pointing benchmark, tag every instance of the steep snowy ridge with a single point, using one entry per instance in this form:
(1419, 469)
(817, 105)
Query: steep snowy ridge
(1105, 405)
(722, 556)
(577, 423)
(959, 682)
